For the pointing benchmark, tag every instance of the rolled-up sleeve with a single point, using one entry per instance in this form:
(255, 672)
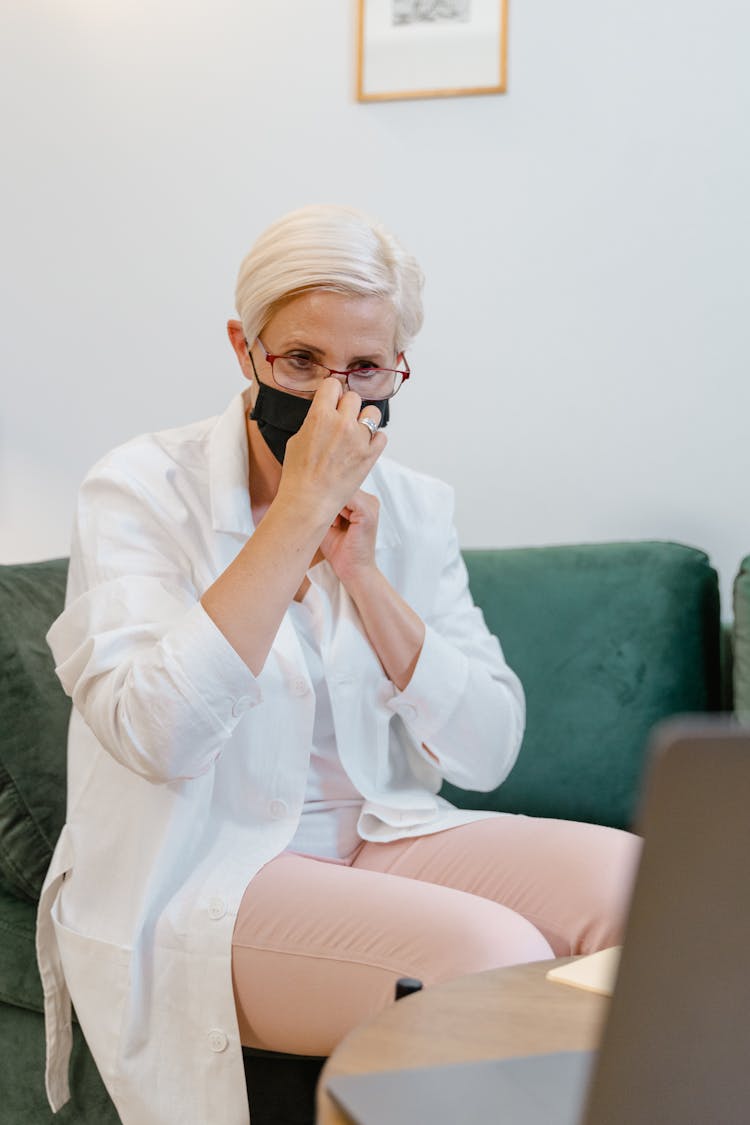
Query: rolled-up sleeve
(464, 705)
(149, 671)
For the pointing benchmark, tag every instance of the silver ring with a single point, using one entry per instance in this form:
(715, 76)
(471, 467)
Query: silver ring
(372, 426)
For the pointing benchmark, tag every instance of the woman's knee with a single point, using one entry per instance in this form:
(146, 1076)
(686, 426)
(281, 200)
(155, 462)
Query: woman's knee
(571, 879)
(479, 935)
(604, 895)
(586, 910)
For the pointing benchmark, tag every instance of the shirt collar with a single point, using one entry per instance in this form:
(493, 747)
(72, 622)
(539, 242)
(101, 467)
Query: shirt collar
(229, 470)
(387, 535)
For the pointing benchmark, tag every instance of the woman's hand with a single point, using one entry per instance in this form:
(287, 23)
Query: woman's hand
(330, 456)
(349, 544)
(394, 630)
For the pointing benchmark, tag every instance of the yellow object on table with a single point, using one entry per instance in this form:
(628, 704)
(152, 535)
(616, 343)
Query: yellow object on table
(595, 973)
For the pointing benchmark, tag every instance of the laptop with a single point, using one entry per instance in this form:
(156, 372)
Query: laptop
(676, 1044)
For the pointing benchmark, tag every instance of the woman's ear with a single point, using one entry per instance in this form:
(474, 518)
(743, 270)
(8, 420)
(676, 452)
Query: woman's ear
(236, 334)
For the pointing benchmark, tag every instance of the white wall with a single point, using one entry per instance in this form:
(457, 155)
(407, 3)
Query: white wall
(583, 370)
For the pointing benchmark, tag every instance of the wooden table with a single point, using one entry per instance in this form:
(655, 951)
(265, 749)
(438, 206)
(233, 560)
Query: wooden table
(500, 1013)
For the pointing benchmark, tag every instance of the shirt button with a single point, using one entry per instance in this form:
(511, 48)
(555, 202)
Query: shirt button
(408, 713)
(277, 808)
(241, 705)
(299, 686)
(217, 1040)
(217, 908)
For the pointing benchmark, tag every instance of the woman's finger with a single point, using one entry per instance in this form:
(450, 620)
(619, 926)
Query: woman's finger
(373, 413)
(327, 395)
(350, 403)
(369, 418)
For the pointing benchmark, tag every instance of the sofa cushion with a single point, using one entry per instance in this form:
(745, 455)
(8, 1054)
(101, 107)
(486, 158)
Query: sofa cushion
(34, 714)
(607, 639)
(19, 977)
(741, 664)
(24, 1101)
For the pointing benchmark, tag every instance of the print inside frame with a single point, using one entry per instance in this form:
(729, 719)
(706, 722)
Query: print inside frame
(431, 48)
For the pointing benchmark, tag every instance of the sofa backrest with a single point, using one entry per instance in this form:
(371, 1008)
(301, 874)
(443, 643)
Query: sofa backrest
(741, 636)
(607, 639)
(34, 714)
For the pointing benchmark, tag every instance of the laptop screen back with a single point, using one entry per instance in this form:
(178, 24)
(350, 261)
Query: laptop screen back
(676, 1047)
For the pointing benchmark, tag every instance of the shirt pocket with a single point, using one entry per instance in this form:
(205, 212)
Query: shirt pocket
(97, 975)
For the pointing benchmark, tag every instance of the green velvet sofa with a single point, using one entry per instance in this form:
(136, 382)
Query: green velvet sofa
(607, 639)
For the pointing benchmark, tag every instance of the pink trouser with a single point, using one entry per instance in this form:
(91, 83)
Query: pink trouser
(318, 946)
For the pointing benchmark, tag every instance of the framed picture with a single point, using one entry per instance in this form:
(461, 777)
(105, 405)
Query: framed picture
(430, 48)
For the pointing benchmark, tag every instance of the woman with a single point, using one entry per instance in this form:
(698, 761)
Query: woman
(274, 662)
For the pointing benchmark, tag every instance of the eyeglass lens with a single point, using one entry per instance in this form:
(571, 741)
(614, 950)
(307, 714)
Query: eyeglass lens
(372, 382)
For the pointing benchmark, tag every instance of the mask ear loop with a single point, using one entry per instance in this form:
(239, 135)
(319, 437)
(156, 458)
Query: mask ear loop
(250, 357)
(251, 411)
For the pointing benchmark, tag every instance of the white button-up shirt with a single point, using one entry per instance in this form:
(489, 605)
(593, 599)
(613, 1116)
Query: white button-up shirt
(176, 797)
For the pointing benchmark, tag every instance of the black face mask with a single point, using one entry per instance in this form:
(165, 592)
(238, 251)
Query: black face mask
(279, 416)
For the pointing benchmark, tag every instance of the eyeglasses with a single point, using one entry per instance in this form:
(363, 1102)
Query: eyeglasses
(297, 371)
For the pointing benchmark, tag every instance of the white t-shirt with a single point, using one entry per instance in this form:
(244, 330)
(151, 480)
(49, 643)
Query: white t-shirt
(328, 825)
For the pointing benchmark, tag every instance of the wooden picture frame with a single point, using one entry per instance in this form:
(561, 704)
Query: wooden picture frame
(431, 48)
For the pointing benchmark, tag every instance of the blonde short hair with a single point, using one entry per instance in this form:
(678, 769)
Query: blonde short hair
(334, 248)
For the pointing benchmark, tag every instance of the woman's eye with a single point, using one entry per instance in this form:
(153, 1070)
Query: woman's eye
(300, 362)
(364, 369)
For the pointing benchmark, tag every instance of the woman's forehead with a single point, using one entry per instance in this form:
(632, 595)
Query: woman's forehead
(325, 318)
